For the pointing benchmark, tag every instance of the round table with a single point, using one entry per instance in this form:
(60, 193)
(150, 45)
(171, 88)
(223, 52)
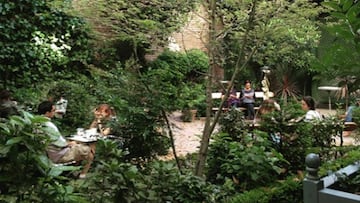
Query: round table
(328, 89)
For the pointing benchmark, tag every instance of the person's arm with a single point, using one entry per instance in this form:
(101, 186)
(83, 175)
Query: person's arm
(94, 124)
(250, 95)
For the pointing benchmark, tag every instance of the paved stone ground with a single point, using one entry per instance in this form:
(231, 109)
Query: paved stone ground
(187, 135)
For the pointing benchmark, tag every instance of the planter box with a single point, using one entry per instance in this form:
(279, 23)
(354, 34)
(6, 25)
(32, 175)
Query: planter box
(316, 190)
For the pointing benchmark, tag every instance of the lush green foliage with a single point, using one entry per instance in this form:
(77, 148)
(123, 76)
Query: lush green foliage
(176, 80)
(39, 44)
(132, 29)
(341, 45)
(141, 21)
(238, 155)
(288, 191)
(282, 33)
(280, 142)
(48, 49)
(27, 175)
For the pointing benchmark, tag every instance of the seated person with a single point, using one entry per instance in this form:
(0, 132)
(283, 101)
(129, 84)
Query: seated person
(248, 100)
(348, 117)
(268, 106)
(232, 100)
(61, 150)
(308, 105)
(7, 106)
(103, 113)
(348, 114)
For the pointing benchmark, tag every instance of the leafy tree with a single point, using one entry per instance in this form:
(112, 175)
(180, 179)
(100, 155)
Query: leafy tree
(284, 33)
(132, 28)
(245, 35)
(39, 43)
(341, 45)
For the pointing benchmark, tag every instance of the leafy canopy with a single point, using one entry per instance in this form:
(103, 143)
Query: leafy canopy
(38, 42)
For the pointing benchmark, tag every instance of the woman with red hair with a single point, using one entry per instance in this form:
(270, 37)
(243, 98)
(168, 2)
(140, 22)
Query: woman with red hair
(103, 113)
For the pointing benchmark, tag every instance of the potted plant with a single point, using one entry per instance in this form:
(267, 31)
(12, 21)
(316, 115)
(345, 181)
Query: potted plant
(191, 96)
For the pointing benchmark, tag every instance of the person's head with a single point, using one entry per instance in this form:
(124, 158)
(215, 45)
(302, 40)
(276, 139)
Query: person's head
(358, 102)
(267, 106)
(5, 95)
(104, 111)
(47, 109)
(247, 84)
(307, 103)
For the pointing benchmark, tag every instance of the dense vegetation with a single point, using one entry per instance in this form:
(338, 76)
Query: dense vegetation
(94, 53)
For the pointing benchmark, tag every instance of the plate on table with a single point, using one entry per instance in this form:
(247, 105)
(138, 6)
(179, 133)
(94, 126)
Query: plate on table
(82, 138)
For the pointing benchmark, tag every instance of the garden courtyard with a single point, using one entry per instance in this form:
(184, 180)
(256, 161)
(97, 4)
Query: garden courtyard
(116, 69)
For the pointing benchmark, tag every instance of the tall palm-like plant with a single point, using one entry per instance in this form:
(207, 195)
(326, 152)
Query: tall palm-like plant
(285, 83)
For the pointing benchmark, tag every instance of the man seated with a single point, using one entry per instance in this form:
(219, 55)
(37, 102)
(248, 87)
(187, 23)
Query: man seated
(348, 118)
(60, 150)
(349, 112)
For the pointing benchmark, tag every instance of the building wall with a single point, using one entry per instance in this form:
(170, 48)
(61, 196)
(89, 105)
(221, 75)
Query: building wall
(194, 35)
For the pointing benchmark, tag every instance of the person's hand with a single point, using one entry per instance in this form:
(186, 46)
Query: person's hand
(106, 131)
(72, 143)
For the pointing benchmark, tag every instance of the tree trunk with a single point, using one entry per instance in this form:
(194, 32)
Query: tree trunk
(210, 126)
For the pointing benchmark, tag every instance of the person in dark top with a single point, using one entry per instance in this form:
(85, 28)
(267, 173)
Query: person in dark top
(232, 100)
(7, 106)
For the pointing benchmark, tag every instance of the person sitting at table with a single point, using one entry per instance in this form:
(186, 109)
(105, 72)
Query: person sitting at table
(247, 99)
(103, 114)
(308, 105)
(61, 150)
(268, 106)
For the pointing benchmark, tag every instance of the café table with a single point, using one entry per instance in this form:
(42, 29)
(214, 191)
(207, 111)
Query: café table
(84, 138)
(328, 89)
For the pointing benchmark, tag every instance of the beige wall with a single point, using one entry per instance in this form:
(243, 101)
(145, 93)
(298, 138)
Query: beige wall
(195, 33)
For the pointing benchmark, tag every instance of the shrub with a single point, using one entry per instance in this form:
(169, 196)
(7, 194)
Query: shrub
(115, 180)
(249, 163)
(27, 175)
(289, 190)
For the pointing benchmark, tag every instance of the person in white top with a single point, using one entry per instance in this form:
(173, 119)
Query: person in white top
(308, 105)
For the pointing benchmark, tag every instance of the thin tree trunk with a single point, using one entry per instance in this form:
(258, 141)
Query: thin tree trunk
(210, 126)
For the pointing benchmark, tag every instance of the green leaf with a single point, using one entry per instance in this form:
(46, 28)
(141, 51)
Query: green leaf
(353, 13)
(4, 149)
(338, 15)
(332, 5)
(347, 5)
(56, 170)
(14, 140)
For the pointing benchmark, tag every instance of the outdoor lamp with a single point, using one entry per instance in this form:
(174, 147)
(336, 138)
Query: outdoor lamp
(265, 69)
(265, 83)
